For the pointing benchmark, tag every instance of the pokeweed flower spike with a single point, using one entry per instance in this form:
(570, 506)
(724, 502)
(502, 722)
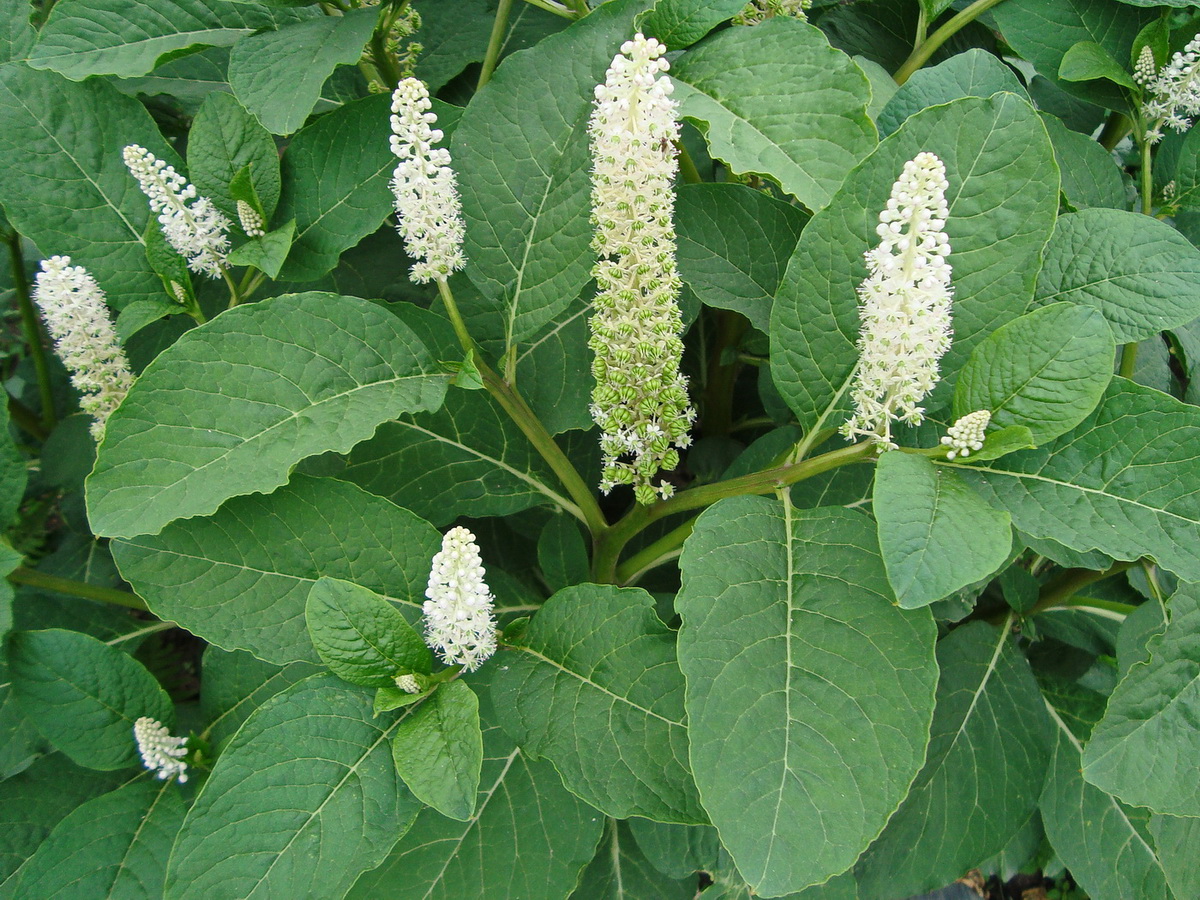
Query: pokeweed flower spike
(250, 220)
(195, 228)
(1173, 95)
(966, 434)
(458, 614)
(427, 202)
(161, 753)
(408, 684)
(904, 305)
(74, 309)
(757, 11)
(640, 400)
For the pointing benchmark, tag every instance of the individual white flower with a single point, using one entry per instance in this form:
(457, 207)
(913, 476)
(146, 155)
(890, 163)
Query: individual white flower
(161, 753)
(192, 225)
(78, 319)
(966, 434)
(904, 305)
(640, 400)
(458, 614)
(757, 11)
(408, 684)
(1173, 95)
(250, 220)
(427, 202)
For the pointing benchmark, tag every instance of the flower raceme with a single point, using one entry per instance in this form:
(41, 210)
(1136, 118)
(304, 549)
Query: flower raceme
(640, 399)
(77, 317)
(427, 201)
(966, 434)
(1173, 94)
(904, 305)
(191, 224)
(458, 614)
(161, 753)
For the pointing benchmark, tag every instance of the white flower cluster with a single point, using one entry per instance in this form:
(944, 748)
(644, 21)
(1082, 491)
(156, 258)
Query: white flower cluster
(408, 684)
(1173, 95)
(757, 11)
(1145, 69)
(73, 306)
(427, 202)
(905, 305)
(458, 614)
(161, 753)
(640, 400)
(251, 222)
(966, 434)
(192, 225)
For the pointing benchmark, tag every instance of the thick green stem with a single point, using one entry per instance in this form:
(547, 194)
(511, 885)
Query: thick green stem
(1147, 178)
(557, 8)
(1059, 589)
(34, 578)
(663, 550)
(33, 331)
(1128, 359)
(687, 166)
(495, 42)
(927, 48)
(1116, 126)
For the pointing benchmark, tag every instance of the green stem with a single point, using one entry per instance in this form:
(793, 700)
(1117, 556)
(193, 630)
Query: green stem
(33, 331)
(1128, 359)
(495, 42)
(687, 166)
(34, 578)
(456, 319)
(1107, 609)
(1147, 175)
(926, 49)
(557, 8)
(234, 297)
(1116, 126)
(665, 549)
(1059, 589)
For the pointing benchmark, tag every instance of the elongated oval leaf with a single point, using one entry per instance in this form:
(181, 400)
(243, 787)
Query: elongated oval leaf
(681, 23)
(438, 750)
(975, 73)
(225, 139)
(234, 404)
(596, 689)
(1175, 842)
(809, 693)
(240, 579)
(305, 794)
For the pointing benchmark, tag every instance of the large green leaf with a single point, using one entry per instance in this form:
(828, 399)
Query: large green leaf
(241, 578)
(975, 73)
(234, 684)
(1090, 175)
(521, 153)
(63, 183)
(595, 688)
(1044, 371)
(677, 850)
(680, 23)
(223, 140)
(809, 693)
(554, 372)
(278, 75)
(1175, 841)
(14, 474)
(936, 534)
(734, 85)
(102, 37)
(115, 845)
(1122, 482)
(734, 245)
(621, 872)
(84, 695)
(1142, 274)
(438, 751)
(231, 406)
(16, 31)
(529, 837)
(1003, 198)
(1143, 749)
(305, 794)
(990, 742)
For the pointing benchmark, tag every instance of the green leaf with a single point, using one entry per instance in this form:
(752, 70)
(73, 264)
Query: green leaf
(1045, 370)
(16, 31)
(224, 140)
(681, 23)
(438, 751)
(390, 698)
(733, 86)
(1139, 750)
(241, 578)
(267, 252)
(990, 742)
(278, 75)
(1087, 61)
(787, 619)
(64, 184)
(1142, 274)
(555, 370)
(523, 164)
(315, 372)
(677, 850)
(1090, 175)
(101, 37)
(305, 794)
(936, 534)
(1187, 172)
(621, 872)
(975, 73)
(1094, 834)
(13, 473)
(234, 684)
(529, 836)
(562, 554)
(1175, 841)
(115, 845)
(362, 637)
(595, 688)
(1120, 483)
(999, 443)
(1003, 199)
(734, 244)
(84, 695)
(468, 458)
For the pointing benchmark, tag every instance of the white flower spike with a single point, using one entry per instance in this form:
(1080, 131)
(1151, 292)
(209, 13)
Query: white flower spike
(192, 225)
(640, 400)
(458, 614)
(1173, 95)
(408, 684)
(250, 220)
(161, 753)
(427, 201)
(78, 319)
(967, 433)
(904, 305)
